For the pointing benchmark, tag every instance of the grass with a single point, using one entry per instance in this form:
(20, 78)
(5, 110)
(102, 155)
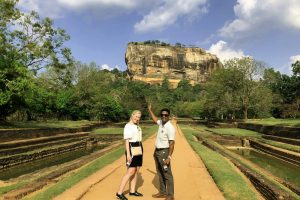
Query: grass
(108, 131)
(112, 130)
(39, 150)
(247, 133)
(47, 124)
(252, 167)
(273, 121)
(235, 132)
(8, 188)
(281, 145)
(86, 171)
(231, 183)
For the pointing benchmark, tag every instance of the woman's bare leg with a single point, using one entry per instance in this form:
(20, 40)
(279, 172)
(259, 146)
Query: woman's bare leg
(133, 181)
(130, 172)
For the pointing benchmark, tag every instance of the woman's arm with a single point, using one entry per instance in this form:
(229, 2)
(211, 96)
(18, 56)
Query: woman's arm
(127, 150)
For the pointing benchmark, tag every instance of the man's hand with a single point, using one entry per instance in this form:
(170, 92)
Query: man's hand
(153, 117)
(167, 161)
(149, 106)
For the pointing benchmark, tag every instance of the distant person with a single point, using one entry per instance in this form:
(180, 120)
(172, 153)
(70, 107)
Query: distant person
(164, 147)
(133, 138)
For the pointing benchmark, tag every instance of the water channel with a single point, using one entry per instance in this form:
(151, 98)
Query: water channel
(280, 168)
(26, 168)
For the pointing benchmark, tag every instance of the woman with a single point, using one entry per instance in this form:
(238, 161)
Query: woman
(133, 138)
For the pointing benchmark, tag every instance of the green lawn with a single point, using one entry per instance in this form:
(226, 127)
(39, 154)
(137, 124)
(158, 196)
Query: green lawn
(248, 164)
(282, 145)
(8, 188)
(273, 121)
(47, 124)
(117, 130)
(231, 183)
(235, 132)
(108, 131)
(86, 171)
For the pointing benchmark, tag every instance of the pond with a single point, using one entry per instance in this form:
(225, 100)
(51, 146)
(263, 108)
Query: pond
(19, 170)
(280, 168)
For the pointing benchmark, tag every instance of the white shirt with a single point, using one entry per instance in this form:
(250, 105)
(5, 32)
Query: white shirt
(132, 132)
(165, 133)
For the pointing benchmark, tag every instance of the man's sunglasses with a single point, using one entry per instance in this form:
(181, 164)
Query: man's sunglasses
(164, 115)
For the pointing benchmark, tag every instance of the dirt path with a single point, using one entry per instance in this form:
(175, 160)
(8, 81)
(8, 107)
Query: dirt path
(192, 181)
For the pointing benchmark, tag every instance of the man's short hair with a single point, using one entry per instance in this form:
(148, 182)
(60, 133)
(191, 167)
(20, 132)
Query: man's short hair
(165, 109)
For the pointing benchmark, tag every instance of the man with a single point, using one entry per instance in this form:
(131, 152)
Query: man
(164, 147)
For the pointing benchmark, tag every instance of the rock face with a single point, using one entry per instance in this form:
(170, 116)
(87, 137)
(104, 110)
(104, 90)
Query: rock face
(151, 63)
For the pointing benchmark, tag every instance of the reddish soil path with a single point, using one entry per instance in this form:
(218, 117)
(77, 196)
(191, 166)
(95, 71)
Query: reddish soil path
(192, 181)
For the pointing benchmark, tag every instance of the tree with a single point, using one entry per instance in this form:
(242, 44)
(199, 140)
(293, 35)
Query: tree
(272, 80)
(237, 88)
(296, 68)
(250, 72)
(106, 108)
(27, 44)
(184, 91)
(220, 96)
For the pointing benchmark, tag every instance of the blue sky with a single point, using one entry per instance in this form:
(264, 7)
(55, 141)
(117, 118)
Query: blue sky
(267, 30)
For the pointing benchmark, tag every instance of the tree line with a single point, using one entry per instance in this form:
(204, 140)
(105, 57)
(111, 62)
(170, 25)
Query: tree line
(40, 80)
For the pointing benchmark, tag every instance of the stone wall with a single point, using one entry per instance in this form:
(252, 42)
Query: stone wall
(33, 144)
(285, 155)
(282, 139)
(23, 158)
(281, 131)
(29, 133)
(268, 189)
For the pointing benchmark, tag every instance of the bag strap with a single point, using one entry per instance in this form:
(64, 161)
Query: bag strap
(140, 144)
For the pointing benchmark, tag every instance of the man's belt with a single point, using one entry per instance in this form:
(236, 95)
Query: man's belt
(159, 149)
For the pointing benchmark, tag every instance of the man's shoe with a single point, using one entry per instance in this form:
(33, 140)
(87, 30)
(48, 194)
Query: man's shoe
(121, 196)
(159, 195)
(136, 193)
(170, 198)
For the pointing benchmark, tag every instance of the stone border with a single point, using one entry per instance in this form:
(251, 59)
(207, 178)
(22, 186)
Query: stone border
(285, 155)
(282, 139)
(52, 177)
(24, 158)
(35, 144)
(17, 134)
(281, 131)
(268, 189)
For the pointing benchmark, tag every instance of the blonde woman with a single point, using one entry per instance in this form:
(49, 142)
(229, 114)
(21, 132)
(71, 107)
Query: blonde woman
(132, 137)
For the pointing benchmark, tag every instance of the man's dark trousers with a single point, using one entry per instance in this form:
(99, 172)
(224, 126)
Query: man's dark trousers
(166, 183)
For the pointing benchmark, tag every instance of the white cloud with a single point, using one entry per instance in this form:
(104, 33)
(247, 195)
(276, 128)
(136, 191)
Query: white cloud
(101, 8)
(107, 67)
(29, 4)
(295, 58)
(42, 7)
(255, 17)
(288, 69)
(224, 52)
(168, 13)
(160, 13)
(84, 3)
